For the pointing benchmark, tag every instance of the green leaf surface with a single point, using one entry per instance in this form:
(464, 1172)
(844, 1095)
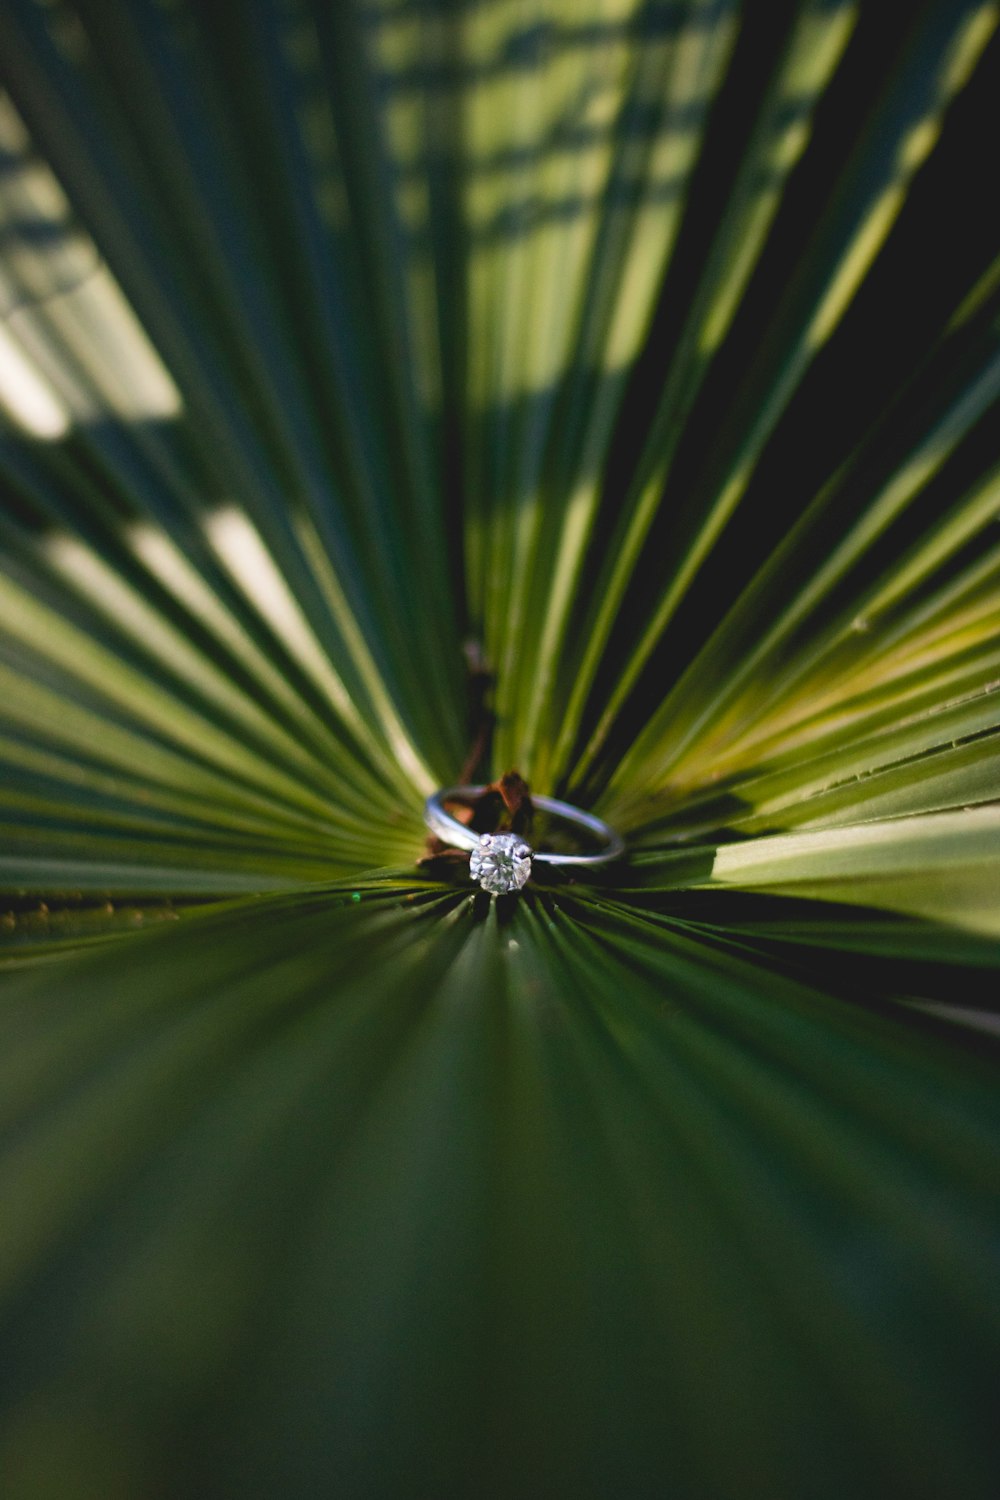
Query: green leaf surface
(342, 1165)
(392, 396)
(939, 864)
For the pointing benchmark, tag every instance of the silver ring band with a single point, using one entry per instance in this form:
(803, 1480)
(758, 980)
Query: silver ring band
(502, 861)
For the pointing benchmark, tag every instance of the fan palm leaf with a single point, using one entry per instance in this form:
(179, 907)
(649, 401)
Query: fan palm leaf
(392, 395)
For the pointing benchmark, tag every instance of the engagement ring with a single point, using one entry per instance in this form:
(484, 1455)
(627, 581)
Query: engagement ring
(501, 862)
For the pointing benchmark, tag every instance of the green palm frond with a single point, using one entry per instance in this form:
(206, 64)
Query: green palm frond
(399, 393)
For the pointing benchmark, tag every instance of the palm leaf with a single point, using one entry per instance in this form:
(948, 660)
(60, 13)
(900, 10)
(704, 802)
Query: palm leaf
(371, 374)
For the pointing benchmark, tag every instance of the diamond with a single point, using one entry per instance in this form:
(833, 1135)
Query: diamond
(502, 863)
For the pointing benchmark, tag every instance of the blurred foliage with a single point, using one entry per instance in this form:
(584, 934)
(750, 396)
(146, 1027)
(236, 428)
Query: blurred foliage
(396, 391)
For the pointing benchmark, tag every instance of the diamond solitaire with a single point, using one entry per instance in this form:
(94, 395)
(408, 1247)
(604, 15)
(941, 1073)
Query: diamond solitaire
(501, 862)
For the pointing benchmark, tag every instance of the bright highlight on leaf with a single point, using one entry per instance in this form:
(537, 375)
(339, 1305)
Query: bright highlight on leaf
(395, 395)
